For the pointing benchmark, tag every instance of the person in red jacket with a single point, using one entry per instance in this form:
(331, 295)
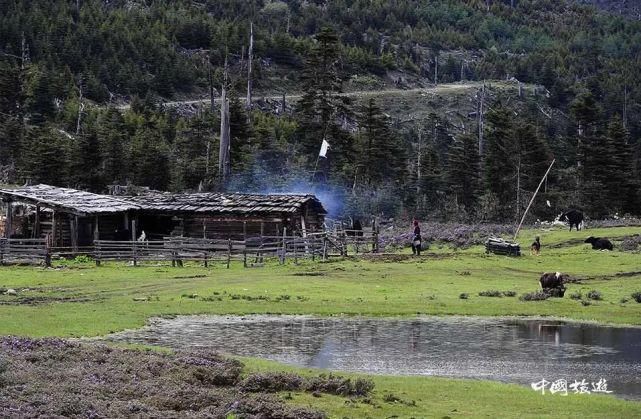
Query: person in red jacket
(416, 239)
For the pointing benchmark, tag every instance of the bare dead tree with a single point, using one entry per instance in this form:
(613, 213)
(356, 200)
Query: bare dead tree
(224, 164)
(81, 105)
(436, 70)
(479, 115)
(250, 58)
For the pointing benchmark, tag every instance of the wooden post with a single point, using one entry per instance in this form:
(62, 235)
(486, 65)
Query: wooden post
(325, 247)
(54, 227)
(36, 226)
(244, 230)
(47, 253)
(73, 225)
(96, 230)
(532, 200)
(133, 241)
(282, 256)
(9, 220)
(228, 252)
(374, 236)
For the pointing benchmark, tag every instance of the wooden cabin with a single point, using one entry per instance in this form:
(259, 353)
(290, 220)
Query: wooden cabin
(228, 215)
(72, 218)
(69, 217)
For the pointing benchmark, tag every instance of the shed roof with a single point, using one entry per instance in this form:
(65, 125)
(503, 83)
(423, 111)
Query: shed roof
(69, 200)
(230, 203)
(86, 203)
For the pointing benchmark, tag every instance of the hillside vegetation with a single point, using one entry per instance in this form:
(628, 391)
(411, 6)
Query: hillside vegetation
(66, 68)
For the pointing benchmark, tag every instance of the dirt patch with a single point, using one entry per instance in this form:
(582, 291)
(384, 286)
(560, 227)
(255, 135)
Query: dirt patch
(309, 274)
(617, 275)
(190, 276)
(395, 257)
(40, 299)
(53, 377)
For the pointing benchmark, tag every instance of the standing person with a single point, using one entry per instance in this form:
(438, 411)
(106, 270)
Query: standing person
(416, 239)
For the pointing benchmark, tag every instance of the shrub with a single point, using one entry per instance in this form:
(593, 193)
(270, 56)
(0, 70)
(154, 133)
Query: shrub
(585, 302)
(636, 296)
(576, 295)
(624, 300)
(534, 296)
(272, 382)
(558, 292)
(78, 260)
(463, 296)
(595, 295)
(509, 293)
(490, 293)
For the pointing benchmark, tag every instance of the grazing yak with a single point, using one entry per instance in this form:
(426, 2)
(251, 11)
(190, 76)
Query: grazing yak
(572, 217)
(599, 244)
(552, 283)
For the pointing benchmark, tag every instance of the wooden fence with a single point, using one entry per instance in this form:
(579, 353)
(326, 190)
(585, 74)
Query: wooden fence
(251, 251)
(31, 251)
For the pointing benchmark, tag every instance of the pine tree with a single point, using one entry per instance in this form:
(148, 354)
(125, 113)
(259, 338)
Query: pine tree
(621, 182)
(194, 152)
(320, 110)
(380, 157)
(114, 147)
(11, 118)
(242, 147)
(46, 156)
(150, 158)
(462, 171)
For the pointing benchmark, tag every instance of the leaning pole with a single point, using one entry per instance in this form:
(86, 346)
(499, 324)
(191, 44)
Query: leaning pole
(532, 200)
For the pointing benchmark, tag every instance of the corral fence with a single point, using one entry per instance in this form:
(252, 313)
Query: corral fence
(252, 251)
(28, 251)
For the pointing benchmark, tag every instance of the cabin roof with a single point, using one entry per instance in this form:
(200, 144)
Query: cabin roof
(229, 203)
(86, 203)
(68, 200)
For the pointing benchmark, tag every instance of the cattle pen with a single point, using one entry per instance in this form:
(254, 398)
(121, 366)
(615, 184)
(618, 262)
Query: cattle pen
(44, 223)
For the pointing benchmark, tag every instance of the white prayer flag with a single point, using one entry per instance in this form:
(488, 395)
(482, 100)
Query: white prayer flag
(324, 148)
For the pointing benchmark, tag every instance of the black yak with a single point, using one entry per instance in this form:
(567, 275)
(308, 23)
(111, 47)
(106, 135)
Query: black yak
(552, 283)
(572, 217)
(599, 244)
(552, 280)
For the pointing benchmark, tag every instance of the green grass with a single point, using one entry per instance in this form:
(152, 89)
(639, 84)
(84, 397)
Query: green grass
(82, 300)
(89, 301)
(422, 397)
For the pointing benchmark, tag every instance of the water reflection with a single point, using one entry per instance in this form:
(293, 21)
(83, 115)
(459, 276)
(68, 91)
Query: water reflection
(519, 351)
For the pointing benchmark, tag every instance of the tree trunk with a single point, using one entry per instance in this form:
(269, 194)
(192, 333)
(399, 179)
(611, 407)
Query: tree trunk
(224, 164)
(250, 58)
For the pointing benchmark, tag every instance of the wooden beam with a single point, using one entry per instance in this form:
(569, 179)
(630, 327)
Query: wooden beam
(73, 230)
(53, 229)
(8, 220)
(36, 227)
(96, 230)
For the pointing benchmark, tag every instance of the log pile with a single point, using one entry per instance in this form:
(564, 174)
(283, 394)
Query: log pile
(502, 247)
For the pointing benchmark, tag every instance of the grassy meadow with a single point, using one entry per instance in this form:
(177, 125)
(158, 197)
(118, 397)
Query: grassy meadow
(77, 299)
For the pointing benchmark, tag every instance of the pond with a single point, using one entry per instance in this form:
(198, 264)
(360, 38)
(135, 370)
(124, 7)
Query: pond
(508, 350)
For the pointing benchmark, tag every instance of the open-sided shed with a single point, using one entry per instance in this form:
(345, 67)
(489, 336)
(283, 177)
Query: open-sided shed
(69, 217)
(76, 218)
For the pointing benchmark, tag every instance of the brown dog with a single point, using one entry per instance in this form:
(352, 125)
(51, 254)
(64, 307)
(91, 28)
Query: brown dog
(535, 248)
